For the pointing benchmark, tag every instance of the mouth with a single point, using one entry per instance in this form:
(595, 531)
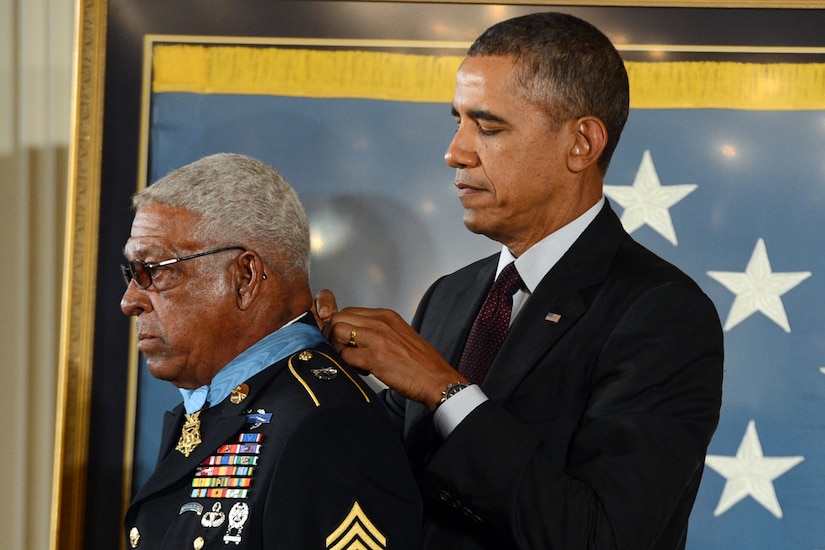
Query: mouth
(145, 341)
(467, 189)
(464, 184)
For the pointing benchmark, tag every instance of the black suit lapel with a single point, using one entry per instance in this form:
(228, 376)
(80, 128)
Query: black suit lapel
(532, 336)
(456, 316)
(561, 292)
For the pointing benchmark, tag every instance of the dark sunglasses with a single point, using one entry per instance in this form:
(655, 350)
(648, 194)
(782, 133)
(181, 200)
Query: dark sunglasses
(141, 272)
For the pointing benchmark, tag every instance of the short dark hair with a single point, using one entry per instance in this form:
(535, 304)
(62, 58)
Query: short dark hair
(567, 65)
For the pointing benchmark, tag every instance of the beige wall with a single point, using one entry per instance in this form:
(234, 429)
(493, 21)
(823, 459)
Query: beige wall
(36, 42)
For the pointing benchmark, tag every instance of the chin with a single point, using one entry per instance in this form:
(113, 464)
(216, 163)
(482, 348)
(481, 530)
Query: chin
(471, 223)
(477, 226)
(161, 372)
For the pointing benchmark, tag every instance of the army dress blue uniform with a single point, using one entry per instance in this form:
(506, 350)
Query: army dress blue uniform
(300, 456)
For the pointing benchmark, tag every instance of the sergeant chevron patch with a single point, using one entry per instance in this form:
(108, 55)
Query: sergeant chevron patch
(356, 532)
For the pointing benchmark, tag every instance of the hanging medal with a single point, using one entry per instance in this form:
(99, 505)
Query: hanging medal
(190, 436)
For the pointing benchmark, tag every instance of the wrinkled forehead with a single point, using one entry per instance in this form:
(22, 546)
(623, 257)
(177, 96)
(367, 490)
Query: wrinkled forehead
(160, 229)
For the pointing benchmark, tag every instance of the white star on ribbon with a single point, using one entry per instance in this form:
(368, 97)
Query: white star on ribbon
(758, 289)
(647, 202)
(750, 473)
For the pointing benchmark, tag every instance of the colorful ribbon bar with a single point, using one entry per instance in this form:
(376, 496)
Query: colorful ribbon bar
(231, 471)
(219, 493)
(222, 482)
(240, 448)
(246, 460)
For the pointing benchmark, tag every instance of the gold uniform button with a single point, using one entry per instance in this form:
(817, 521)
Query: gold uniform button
(198, 543)
(134, 537)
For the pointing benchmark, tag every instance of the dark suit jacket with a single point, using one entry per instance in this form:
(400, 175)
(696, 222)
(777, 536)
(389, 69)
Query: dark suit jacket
(597, 426)
(327, 446)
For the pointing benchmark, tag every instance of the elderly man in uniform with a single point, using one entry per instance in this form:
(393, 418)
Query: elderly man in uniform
(277, 443)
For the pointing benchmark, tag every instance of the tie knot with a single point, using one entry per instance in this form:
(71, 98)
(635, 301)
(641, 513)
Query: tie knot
(508, 281)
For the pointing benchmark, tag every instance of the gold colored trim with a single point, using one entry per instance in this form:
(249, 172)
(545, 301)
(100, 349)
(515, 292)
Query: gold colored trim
(351, 379)
(357, 530)
(303, 382)
(352, 72)
(696, 48)
(130, 428)
(152, 39)
(145, 121)
(80, 272)
(340, 369)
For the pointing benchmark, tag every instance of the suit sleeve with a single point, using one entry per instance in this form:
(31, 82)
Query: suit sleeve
(628, 465)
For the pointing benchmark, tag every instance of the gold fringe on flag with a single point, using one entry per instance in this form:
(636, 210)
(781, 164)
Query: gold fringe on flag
(270, 70)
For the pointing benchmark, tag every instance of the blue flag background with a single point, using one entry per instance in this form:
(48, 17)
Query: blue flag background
(734, 197)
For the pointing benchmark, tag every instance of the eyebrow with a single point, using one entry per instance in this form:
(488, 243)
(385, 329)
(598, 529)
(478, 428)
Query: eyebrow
(480, 114)
(143, 251)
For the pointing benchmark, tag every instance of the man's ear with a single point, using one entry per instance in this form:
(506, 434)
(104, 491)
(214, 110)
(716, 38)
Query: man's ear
(590, 140)
(250, 278)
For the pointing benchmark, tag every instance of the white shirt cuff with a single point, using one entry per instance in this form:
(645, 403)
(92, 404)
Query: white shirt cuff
(450, 413)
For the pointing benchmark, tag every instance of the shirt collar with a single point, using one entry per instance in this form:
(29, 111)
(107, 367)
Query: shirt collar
(292, 337)
(540, 258)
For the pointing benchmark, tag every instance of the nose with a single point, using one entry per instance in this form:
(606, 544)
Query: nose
(459, 154)
(134, 300)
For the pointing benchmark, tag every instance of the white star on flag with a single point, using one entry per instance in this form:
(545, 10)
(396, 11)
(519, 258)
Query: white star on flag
(647, 202)
(758, 289)
(750, 472)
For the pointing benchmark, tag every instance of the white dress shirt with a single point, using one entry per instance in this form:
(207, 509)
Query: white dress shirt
(532, 266)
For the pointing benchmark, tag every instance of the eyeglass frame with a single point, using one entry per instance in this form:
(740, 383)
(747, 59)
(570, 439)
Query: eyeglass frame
(128, 269)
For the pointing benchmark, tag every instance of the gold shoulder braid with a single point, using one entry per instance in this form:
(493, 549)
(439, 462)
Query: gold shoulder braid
(190, 435)
(326, 372)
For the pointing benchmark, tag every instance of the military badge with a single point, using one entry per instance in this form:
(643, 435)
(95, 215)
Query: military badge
(357, 529)
(239, 394)
(257, 418)
(327, 373)
(237, 518)
(196, 507)
(213, 518)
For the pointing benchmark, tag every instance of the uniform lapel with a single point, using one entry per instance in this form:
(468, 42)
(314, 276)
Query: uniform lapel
(218, 425)
(535, 330)
(172, 422)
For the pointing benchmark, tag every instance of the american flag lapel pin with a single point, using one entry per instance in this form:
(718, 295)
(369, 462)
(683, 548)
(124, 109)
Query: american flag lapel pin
(552, 317)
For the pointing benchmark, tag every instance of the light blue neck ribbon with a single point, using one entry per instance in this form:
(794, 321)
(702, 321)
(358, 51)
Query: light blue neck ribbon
(283, 342)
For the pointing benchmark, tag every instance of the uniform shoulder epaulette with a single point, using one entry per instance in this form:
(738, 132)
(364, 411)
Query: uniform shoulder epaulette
(312, 367)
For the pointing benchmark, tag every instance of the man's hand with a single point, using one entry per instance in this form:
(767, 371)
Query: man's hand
(323, 308)
(380, 342)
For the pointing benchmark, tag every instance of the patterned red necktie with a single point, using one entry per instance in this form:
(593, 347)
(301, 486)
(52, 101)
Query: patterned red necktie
(490, 327)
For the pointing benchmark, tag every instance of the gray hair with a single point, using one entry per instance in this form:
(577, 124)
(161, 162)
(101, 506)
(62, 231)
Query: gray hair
(242, 201)
(567, 66)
